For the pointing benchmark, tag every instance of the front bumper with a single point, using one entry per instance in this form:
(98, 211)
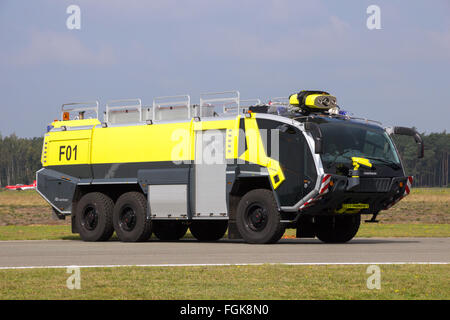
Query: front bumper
(337, 193)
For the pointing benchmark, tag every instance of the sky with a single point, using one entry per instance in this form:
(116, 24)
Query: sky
(399, 74)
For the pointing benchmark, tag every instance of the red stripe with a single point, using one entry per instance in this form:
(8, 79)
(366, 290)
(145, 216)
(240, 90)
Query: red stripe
(324, 189)
(326, 177)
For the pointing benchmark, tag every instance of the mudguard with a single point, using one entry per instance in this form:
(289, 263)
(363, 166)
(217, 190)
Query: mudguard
(57, 190)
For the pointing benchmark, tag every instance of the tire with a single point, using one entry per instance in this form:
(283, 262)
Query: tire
(130, 218)
(93, 217)
(169, 230)
(337, 229)
(205, 230)
(258, 219)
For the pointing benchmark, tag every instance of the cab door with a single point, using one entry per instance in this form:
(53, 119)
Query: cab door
(290, 148)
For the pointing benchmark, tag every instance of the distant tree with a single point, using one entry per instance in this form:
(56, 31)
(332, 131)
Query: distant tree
(432, 170)
(19, 159)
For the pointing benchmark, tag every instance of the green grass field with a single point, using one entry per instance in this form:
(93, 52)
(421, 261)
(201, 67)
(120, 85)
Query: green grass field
(271, 282)
(58, 232)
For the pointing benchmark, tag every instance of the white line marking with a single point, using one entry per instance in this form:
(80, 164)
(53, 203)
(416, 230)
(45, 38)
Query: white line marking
(228, 264)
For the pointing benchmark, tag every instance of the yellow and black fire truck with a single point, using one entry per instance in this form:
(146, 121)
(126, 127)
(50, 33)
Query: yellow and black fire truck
(253, 169)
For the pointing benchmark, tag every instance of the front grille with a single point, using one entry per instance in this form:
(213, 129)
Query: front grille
(373, 185)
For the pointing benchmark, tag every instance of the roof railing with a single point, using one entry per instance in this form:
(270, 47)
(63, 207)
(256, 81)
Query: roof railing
(71, 107)
(221, 99)
(171, 103)
(123, 106)
(250, 102)
(279, 101)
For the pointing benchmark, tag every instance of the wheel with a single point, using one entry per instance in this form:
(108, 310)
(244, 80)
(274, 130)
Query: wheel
(208, 230)
(258, 219)
(169, 230)
(93, 217)
(130, 218)
(337, 229)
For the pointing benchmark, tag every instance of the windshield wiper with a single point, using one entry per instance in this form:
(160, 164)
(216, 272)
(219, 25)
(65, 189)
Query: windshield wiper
(390, 163)
(337, 156)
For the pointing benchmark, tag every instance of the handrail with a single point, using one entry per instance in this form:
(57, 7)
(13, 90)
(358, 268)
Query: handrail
(226, 100)
(258, 101)
(177, 103)
(79, 109)
(279, 101)
(137, 106)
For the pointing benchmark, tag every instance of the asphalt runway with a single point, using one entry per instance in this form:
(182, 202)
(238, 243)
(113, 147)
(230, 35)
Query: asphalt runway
(59, 253)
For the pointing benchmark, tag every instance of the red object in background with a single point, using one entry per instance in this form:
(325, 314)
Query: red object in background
(19, 187)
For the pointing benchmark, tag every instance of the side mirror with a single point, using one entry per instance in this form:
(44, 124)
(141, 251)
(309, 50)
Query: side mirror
(315, 131)
(413, 133)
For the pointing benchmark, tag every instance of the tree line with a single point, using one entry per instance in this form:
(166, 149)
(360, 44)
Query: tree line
(432, 169)
(20, 159)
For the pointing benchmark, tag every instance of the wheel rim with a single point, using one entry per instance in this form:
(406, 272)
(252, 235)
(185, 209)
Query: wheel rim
(89, 218)
(256, 217)
(127, 219)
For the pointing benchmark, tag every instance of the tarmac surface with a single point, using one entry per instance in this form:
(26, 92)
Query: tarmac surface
(60, 253)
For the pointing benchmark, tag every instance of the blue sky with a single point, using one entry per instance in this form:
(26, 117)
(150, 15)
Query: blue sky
(399, 75)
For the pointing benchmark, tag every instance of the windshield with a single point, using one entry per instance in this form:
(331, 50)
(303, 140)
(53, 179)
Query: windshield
(341, 142)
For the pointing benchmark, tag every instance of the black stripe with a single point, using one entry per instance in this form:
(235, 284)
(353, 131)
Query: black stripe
(81, 171)
(113, 170)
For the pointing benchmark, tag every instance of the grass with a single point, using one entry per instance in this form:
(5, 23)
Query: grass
(37, 232)
(25, 198)
(46, 232)
(424, 205)
(271, 282)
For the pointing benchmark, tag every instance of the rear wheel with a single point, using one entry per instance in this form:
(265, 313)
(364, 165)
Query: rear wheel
(205, 230)
(258, 219)
(93, 217)
(337, 229)
(130, 218)
(169, 230)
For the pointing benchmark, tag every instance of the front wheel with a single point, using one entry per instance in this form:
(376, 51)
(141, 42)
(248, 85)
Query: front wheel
(337, 229)
(258, 219)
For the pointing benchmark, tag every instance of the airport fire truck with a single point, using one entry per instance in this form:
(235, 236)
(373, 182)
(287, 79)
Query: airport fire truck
(248, 167)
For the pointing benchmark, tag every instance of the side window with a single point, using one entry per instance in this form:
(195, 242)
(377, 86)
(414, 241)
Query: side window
(291, 147)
